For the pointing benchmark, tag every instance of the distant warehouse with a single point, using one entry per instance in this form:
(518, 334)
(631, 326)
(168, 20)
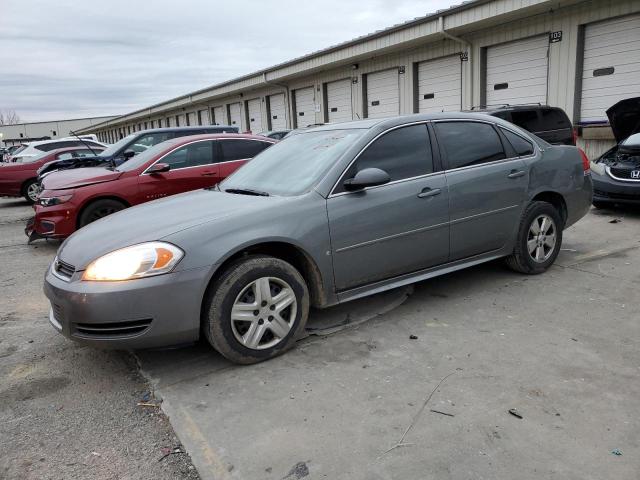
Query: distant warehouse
(582, 56)
(34, 131)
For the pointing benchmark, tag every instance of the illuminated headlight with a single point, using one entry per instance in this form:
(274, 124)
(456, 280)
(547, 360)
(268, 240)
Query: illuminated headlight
(597, 168)
(51, 201)
(137, 261)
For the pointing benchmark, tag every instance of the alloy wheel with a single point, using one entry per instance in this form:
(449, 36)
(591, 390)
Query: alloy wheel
(263, 313)
(33, 190)
(541, 238)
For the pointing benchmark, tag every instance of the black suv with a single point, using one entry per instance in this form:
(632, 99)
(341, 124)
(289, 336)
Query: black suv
(131, 145)
(549, 123)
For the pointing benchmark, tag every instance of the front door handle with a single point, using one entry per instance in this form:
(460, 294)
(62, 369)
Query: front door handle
(429, 192)
(517, 173)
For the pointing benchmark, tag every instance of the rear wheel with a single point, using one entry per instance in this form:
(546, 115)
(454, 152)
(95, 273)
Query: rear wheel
(31, 190)
(256, 310)
(100, 209)
(539, 239)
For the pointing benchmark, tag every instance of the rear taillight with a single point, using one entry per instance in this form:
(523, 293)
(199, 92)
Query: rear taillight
(585, 161)
(574, 135)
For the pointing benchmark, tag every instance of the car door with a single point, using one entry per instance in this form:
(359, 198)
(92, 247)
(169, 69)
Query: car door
(487, 186)
(396, 228)
(235, 152)
(192, 166)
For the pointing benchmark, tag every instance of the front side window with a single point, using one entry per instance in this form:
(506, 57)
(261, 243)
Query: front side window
(192, 155)
(519, 144)
(402, 153)
(469, 143)
(147, 141)
(241, 149)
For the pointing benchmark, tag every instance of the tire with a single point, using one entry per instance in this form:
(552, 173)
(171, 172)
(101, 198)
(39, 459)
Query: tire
(99, 209)
(31, 190)
(231, 335)
(521, 260)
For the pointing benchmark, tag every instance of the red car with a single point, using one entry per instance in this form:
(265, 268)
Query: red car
(21, 179)
(71, 199)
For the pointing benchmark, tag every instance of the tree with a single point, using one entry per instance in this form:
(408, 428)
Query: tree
(9, 117)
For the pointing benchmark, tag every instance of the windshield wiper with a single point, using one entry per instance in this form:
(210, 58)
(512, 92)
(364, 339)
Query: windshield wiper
(247, 191)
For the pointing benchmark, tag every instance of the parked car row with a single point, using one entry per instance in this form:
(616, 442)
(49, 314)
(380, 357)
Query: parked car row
(329, 214)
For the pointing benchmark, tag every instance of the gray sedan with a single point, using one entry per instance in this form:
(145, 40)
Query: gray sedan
(326, 216)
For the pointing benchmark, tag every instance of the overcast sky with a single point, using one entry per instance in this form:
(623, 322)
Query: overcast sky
(64, 59)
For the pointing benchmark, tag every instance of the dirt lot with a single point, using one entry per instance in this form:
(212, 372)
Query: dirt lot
(561, 348)
(68, 411)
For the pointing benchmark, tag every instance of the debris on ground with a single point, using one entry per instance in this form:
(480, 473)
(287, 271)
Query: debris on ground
(515, 413)
(442, 413)
(615, 220)
(166, 451)
(299, 470)
(413, 337)
(148, 404)
(146, 397)
(617, 452)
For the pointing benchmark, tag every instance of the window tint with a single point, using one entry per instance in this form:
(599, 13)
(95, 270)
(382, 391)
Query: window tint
(144, 142)
(402, 153)
(554, 118)
(469, 143)
(193, 155)
(64, 156)
(527, 119)
(241, 149)
(519, 144)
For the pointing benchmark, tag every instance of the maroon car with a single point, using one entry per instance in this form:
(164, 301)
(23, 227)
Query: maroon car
(21, 179)
(70, 199)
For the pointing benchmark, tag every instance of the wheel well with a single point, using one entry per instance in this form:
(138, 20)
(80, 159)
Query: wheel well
(94, 200)
(290, 254)
(554, 199)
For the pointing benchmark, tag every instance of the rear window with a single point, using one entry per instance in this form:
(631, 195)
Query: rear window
(541, 119)
(554, 118)
(527, 119)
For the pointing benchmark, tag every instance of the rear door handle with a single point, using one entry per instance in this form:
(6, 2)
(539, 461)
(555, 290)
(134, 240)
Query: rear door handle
(517, 173)
(429, 192)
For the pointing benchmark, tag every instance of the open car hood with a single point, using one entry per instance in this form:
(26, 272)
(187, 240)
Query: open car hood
(624, 118)
(79, 177)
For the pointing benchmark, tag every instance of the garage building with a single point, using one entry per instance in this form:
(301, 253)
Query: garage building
(579, 55)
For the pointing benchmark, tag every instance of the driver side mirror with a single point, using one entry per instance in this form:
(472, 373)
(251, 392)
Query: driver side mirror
(369, 177)
(158, 168)
(128, 154)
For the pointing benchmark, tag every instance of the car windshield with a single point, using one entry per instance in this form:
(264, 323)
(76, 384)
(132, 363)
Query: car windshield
(294, 165)
(112, 149)
(144, 157)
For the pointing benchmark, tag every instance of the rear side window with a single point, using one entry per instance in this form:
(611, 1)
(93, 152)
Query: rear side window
(192, 155)
(146, 141)
(241, 149)
(469, 143)
(553, 119)
(527, 119)
(519, 144)
(402, 153)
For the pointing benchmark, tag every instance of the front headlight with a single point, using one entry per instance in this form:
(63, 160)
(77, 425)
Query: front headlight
(51, 201)
(137, 261)
(598, 168)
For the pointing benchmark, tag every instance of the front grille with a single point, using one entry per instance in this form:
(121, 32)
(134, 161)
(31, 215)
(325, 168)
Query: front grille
(119, 329)
(64, 269)
(622, 173)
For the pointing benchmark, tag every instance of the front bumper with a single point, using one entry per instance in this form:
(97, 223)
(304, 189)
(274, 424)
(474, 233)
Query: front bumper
(144, 313)
(58, 221)
(610, 190)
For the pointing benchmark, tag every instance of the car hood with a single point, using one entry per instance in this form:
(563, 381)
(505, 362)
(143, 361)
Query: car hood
(80, 177)
(156, 220)
(624, 118)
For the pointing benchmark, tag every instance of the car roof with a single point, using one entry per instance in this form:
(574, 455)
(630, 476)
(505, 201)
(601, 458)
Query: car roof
(507, 107)
(216, 136)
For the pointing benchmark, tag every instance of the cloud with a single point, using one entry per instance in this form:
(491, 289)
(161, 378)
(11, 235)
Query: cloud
(67, 58)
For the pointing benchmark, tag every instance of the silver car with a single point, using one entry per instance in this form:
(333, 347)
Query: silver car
(328, 215)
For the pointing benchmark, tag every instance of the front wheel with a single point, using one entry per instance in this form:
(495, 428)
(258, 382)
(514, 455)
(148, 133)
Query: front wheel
(256, 310)
(31, 190)
(539, 239)
(99, 209)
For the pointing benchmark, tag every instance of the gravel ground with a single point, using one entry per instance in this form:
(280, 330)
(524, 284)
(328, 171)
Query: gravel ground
(68, 411)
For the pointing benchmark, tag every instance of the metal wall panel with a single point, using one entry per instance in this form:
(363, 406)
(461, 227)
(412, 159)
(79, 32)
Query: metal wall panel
(277, 112)
(218, 115)
(235, 115)
(439, 86)
(611, 67)
(305, 107)
(254, 115)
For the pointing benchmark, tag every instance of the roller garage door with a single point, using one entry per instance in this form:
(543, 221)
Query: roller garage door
(339, 102)
(517, 72)
(440, 85)
(235, 115)
(611, 67)
(383, 94)
(218, 115)
(277, 112)
(254, 113)
(192, 119)
(305, 107)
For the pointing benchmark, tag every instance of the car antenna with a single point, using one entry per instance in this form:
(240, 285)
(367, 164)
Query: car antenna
(83, 142)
